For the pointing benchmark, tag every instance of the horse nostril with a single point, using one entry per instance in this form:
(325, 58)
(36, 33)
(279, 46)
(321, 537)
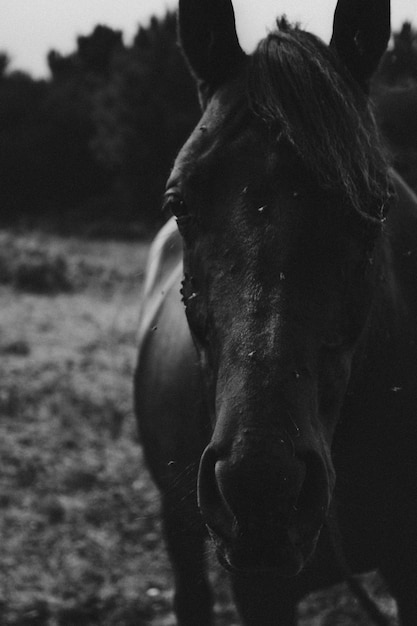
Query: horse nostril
(213, 507)
(240, 500)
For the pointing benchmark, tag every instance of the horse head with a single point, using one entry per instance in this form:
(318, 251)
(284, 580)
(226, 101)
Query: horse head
(279, 196)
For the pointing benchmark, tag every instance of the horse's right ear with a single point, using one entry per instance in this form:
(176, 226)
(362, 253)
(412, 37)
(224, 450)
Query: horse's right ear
(361, 31)
(208, 37)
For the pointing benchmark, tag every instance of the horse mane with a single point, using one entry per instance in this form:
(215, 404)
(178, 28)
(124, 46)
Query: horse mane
(299, 88)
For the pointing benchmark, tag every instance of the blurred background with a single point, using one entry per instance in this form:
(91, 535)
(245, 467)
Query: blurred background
(88, 134)
(88, 146)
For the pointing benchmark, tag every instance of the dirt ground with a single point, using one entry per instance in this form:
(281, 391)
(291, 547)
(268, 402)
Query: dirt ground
(79, 527)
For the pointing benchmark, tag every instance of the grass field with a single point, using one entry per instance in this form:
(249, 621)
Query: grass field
(80, 534)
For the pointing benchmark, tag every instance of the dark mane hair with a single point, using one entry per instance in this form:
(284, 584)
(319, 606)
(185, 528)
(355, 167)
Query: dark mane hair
(299, 89)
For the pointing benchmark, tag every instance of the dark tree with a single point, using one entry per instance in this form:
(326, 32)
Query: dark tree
(96, 141)
(80, 181)
(399, 65)
(395, 95)
(4, 64)
(143, 114)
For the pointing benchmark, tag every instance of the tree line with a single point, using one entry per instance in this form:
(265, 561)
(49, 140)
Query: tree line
(91, 146)
(395, 96)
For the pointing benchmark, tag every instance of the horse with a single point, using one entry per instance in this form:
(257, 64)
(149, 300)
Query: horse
(275, 387)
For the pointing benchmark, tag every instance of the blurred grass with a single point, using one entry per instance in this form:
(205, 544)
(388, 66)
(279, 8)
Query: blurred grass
(42, 264)
(78, 514)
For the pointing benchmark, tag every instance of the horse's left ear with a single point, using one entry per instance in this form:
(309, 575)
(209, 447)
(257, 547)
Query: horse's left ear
(208, 37)
(361, 31)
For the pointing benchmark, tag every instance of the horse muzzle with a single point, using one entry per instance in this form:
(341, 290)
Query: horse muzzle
(264, 507)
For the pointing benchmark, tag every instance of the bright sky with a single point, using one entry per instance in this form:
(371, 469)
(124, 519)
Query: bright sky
(30, 28)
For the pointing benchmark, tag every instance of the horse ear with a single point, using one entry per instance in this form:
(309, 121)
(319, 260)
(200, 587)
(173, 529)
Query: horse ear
(361, 31)
(209, 40)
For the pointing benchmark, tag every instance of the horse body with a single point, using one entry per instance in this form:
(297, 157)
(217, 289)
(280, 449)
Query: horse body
(296, 360)
(165, 340)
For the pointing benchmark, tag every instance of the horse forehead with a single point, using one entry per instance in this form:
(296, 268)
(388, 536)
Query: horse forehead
(225, 120)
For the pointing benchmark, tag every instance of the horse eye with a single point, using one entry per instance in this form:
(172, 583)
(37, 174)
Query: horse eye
(174, 203)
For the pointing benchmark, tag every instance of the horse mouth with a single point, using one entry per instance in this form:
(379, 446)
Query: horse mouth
(286, 555)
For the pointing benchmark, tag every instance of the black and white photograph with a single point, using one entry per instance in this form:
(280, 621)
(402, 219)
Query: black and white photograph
(208, 313)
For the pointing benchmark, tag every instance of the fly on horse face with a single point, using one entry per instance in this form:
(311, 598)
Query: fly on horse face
(277, 396)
